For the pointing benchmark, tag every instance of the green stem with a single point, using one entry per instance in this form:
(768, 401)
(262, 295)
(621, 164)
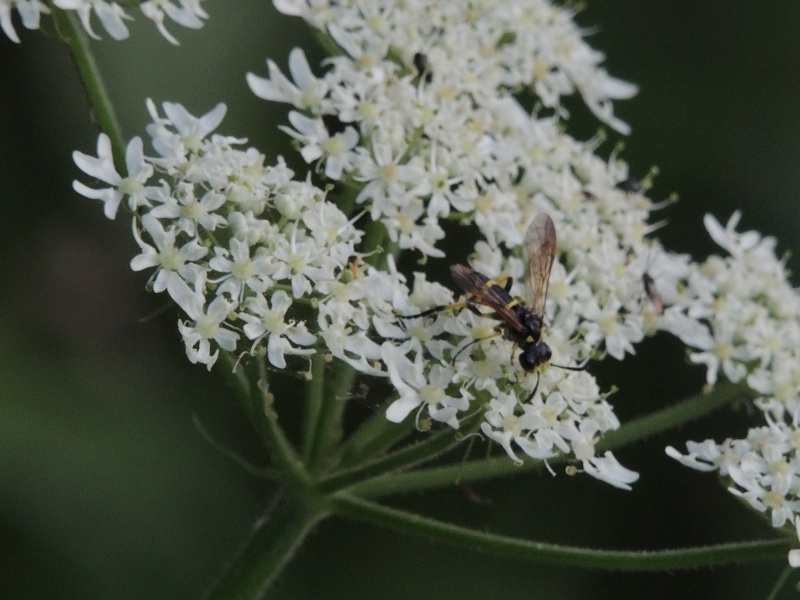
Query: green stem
(313, 404)
(441, 476)
(663, 560)
(255, 398)
(374, 235)
(267, 552)
(776, 589)
(374, 437)
(683, 412)
(329, 424)
(330, 47)
(402, 459)
(638, 429)
(260, 472)
(72, 34)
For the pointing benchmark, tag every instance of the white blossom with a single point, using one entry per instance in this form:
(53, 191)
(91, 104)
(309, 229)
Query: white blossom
(102, 168)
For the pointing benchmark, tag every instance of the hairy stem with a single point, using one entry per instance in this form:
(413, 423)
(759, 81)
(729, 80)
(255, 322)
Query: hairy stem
(72, 34)
(662, 560)
(274, 541)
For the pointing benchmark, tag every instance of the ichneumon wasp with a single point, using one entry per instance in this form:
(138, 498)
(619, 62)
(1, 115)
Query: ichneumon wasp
(521, 324)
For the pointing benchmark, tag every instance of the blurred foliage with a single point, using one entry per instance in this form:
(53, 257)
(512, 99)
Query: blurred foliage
(106, 488)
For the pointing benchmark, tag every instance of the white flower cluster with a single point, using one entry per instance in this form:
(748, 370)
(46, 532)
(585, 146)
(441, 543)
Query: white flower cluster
(740, 314)
(235, 243)
(112, 16)
(416, 118)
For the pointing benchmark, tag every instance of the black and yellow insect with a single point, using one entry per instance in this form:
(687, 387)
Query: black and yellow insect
(522, 324)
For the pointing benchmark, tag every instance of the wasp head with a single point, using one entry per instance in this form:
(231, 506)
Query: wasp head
(534, 356)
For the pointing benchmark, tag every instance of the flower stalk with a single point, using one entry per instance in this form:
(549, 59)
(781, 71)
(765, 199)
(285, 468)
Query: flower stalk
(616, 560)
(72, 34)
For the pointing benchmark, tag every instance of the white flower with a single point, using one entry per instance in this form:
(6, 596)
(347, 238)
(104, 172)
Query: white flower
(207, 324)
(111, 15)
(504, 426)
(240, 271)
(103, 169)
(735, 243)
(188, 14)
(306, 93)
(188, 135)
(420, 389)
(187, 209)
(267, 319)
(702, 457)
(337, 149)
(169, 258)
(607, 468)
(724, 349)
(351, 345)
(388, 180)
(297, 261)
(29, 11)
(618, 330)
(598, 91)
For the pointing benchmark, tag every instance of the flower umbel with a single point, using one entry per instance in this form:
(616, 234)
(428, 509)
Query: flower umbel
(416, 137)
(281, 257)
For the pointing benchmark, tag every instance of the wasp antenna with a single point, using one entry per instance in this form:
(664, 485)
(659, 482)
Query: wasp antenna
(475, 341)
(535, 388)
(580, 368)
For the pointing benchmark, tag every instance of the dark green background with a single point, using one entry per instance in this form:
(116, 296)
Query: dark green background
(106, 488)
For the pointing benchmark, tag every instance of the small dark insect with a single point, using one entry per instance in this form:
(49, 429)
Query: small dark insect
(333, 124)
(423, 67)
(522, 325)
(652, 293)
(630, 185)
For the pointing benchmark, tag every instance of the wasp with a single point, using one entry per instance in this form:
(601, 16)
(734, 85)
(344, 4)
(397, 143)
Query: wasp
(522, 324)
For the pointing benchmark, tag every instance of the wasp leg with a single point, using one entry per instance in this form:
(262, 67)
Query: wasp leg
(475, 341)
(437, 309)
(468, 304)
(536, 387)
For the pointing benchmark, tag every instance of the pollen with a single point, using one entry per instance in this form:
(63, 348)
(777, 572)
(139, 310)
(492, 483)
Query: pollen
(193, 210)
(297, 262)
(334, 146)
(171, 259)
(389, 173)
(608, 325)
(206, 327)
(431, 394)
(243, 269)
(724, 350)
(273, 322)
(129, 186)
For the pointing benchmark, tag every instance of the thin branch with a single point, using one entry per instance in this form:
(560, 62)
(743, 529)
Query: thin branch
(617, 560)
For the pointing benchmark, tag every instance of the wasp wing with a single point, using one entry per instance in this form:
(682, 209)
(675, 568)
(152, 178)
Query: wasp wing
(488, 293)
(540, 244)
